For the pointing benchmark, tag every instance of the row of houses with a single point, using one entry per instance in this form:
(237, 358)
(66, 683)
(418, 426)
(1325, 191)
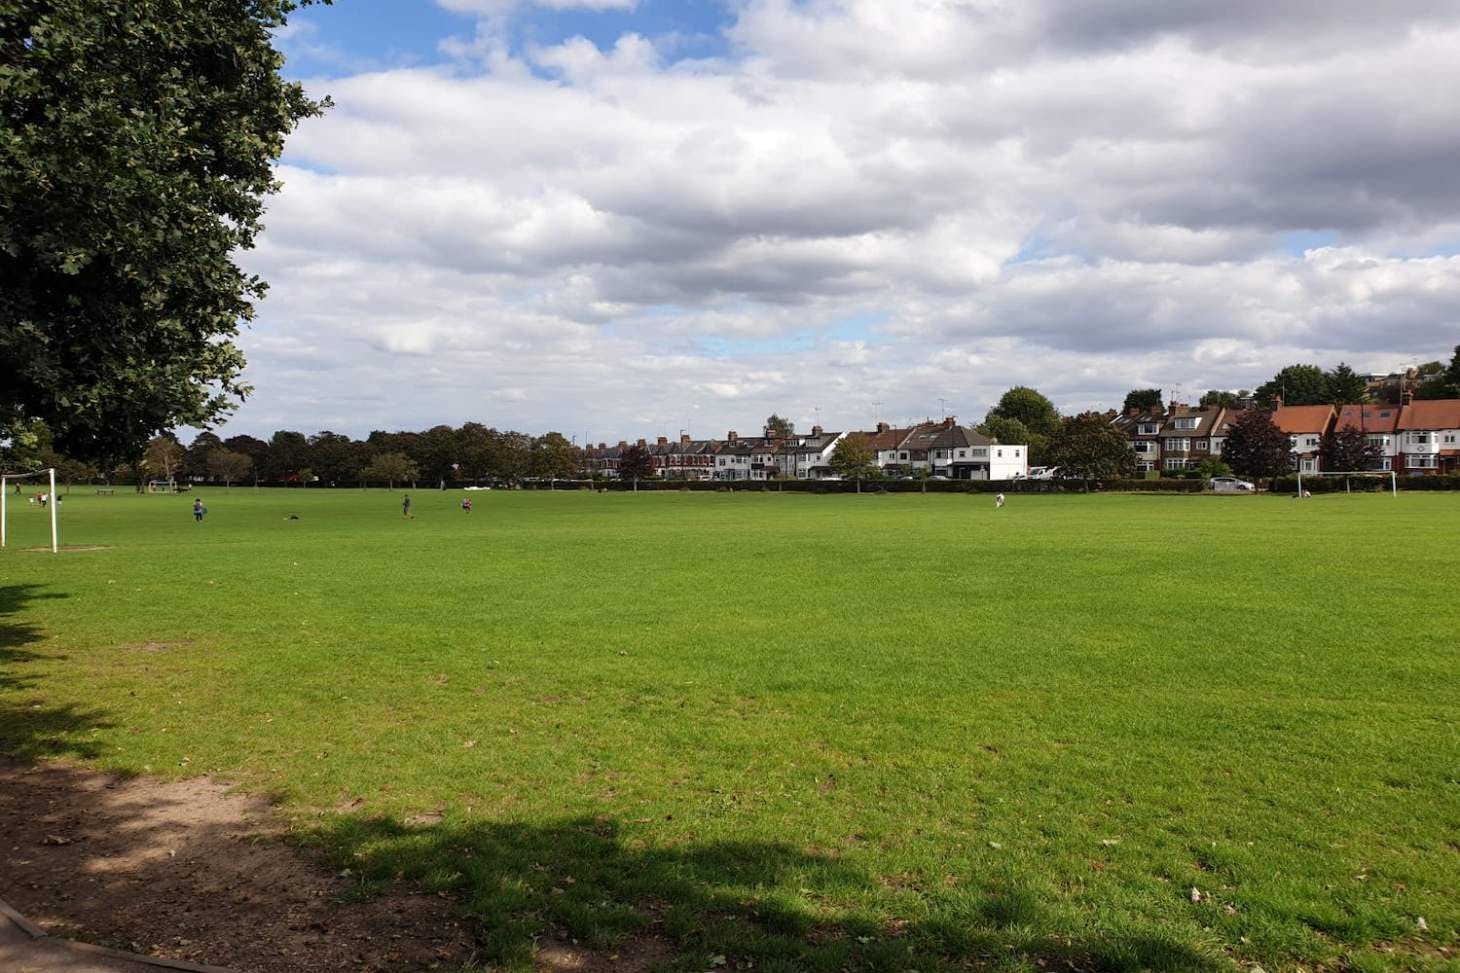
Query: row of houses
(943, 448)
(1412, 438)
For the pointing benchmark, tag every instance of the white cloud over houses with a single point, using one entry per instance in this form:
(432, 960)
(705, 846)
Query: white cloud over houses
(863, 203)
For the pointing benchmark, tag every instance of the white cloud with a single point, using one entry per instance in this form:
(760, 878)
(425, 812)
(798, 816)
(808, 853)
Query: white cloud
(1084, 197)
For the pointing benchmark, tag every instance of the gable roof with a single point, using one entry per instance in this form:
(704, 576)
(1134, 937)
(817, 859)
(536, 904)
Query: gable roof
(1295, 419)
(1369, 418)
(1205, 420)
(1431, 414)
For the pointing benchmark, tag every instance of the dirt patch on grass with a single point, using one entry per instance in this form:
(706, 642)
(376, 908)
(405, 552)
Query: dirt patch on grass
(188, 870)
(637, 955)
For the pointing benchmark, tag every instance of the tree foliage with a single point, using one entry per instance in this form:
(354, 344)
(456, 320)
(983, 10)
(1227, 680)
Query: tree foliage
(163, 457)
(1088, 447)
(1295, 385)
(1141, 400)
(1030, 407)
(137, 142)
(554, 457)
(1215, 398)
(776, 426)
(853, 458)
(228, 466)
(635, 463)
(1256, 447)
(1346, 387)
(1348, 449)
(392, 468)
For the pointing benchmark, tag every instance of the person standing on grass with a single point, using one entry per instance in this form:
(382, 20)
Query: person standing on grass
(405, 507)
(199, 510)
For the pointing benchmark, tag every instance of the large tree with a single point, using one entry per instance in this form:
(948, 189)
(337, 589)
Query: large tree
(163, 457)
(1030, 407)
(1141, 400)
(137, 142)
(635, 463)
(228, 466)
(1256, 447)
(1088, 447)
(1346, 387)
(853, 458)
(1348, 449)
(554, 457)
(391, 467)
(1295, 385)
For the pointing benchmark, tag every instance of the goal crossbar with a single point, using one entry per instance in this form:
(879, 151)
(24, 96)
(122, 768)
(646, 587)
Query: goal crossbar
(5, 479)
(1348, 475)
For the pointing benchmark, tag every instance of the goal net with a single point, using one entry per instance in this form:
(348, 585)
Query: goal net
(45, 495)
(1348, 481)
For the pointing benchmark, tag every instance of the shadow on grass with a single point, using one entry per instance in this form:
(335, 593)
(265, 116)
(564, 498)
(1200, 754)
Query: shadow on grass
(31, 728)
(751, 902)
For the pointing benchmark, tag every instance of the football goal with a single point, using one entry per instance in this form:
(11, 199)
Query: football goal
(1349, 477)
(49, 501)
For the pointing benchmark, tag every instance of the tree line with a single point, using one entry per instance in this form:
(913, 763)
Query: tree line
(472, 452)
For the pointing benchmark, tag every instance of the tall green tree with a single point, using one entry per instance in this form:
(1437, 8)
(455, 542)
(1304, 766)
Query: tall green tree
(554, 457)
(1256, 447)
(1030, 407)
(1089, 447)
(1009, 431)
(853, 458)
(1141, 400)
(1295, 385)
(392, 468)
(137, 142)
(1346, 387)
(1452, 374)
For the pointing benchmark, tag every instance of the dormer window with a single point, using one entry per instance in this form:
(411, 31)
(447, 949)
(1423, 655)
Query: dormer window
(1187, 422)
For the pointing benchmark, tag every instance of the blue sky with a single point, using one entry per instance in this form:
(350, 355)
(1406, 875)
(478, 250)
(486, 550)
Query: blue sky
(355, 35)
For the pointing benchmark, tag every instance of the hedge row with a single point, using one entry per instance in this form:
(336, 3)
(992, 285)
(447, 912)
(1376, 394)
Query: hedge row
(885, 486)
(1367, 484)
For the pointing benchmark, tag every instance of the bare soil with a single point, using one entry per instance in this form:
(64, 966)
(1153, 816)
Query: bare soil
(188, 870)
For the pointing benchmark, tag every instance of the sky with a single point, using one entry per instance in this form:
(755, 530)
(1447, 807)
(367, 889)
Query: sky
(625, 218)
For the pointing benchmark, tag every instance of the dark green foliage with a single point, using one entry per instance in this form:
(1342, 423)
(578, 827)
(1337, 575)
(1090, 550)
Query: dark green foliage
(1141, 400)
(635, 463)
(1346, 387)
(553, 456)
(776, 426)
(392, 468)
(1211, 466)
(1089, 448)
(1256, 447)
(1349, 449)
(1219, 397)
(1295, 385)
(136, 148)
(1030, 407)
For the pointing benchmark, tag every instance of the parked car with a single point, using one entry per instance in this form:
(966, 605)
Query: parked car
(1230, 484)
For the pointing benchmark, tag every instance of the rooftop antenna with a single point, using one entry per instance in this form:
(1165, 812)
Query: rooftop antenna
(877, 411)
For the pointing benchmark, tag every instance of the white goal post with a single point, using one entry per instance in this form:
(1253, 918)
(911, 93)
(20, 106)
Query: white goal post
(1350, 475)
(5, 479)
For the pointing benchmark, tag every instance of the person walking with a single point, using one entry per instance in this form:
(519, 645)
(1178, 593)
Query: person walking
(405, 507)
(199, 510)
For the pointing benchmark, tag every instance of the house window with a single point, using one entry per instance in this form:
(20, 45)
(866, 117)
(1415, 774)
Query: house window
(1178, 445)
(904, 456)
(1001, 454)
(1201, 445)
(1149, 429)
(1175, 464)
(1311, 441)
(1450, 439)
(1382, 442)
(1310, 465)
(1187, 422)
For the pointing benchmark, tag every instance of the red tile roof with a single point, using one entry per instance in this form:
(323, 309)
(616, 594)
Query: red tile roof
(1431, 414)
(1369, 418)
(1294, 419)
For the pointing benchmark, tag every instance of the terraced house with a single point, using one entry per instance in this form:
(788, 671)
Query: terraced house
(1175, 437)
(1428, 437)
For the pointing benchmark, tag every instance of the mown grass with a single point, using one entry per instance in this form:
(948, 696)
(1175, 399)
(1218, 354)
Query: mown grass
(812, 733)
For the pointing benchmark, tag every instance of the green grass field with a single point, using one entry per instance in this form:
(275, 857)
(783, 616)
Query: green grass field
(816, 733)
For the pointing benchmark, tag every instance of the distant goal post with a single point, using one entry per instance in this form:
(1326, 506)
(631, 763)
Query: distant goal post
(5, 481)
(1348, 476)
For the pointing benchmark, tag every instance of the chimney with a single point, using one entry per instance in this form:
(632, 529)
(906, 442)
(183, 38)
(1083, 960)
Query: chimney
(1179, 408)
(731, 436)
(1406, 397)
(816, 430)
(883, 427)
(1135, 410)
(950, 422)
(1277, 402)
(641, 444)
(663, 440)
(602, 445)
(623, 444)
(684, 439)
